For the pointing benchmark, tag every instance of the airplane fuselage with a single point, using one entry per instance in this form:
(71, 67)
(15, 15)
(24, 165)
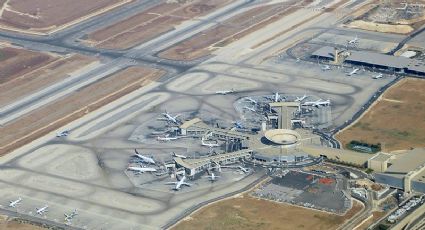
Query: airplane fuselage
(14, 203)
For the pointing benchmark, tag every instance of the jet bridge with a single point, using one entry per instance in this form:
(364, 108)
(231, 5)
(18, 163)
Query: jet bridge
(196, 127)
(194, 166)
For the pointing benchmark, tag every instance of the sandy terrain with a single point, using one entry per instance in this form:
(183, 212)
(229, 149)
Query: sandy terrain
(40, 78)
(54, 115)
(396, 120)
(389, 17)
(230, 30)
(251, 213)
(48, 15)
(151, 23)
(13, 224)
(379, 27)
(17, 62)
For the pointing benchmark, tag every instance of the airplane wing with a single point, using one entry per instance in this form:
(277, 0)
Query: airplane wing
(187, 184)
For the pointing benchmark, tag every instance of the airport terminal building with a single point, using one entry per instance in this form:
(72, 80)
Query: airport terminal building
(398, 64)
(403, 171)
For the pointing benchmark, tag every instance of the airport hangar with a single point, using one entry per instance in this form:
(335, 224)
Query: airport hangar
(398, 64)
(282, 146)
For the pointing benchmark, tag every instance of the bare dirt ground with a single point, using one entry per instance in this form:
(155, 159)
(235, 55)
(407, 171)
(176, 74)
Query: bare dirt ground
(54, 115)
(380, 27)
(390, 17)
(25, 84)
(16, 62)
(397, 120)
(251, 213)
(13, 224)
(47, 15)
(230, 30)
(151, 23)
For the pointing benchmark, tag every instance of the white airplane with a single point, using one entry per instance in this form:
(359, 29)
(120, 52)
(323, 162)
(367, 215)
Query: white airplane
(63, 133)
(245, 170)
(169, 117)
(224, 92)
(299, 99)
(378, 76)
(275, 98)
(141, 169)
(294, 121)
(354, 71)
(250, 109)
(144, 158)
(166, 138)
(251, 100)
(326, 67)
(209, 144)
(178, 155)
(179, 183)
(15, 202)
(69, 217)
(353, 41)
(41, 211)
(317, 103)
(212, 177)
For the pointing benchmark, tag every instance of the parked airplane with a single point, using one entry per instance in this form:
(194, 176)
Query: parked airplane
(299, 99)
(15, 202)
(169, 117)
(71, 216)
(317, 103)
(166, 138)
(353, 41)
(178, 155)
(245, 170)
(354, 71)
(250, 109)
(179, 183)
(212, 177)
(326, 67)
(378, 76)
(224, 92)
(141, 169)
(251, 100)
(42, 210)
(63, 133)
(144, 158)
(275, 98)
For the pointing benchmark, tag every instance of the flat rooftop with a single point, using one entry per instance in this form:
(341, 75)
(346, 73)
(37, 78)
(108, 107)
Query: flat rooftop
(382, 157)
(325, 51)
(376, 59)
(337, 154)
(406, 162)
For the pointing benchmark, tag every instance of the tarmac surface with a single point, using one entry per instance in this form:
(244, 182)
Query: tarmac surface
(86, 170)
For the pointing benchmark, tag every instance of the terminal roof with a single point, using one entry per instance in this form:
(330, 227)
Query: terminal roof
(189, 123)
(378, 59)
(409, 161)
(325, 51)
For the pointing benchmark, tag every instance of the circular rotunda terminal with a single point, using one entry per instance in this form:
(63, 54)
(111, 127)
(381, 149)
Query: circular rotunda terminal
(282, 137)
